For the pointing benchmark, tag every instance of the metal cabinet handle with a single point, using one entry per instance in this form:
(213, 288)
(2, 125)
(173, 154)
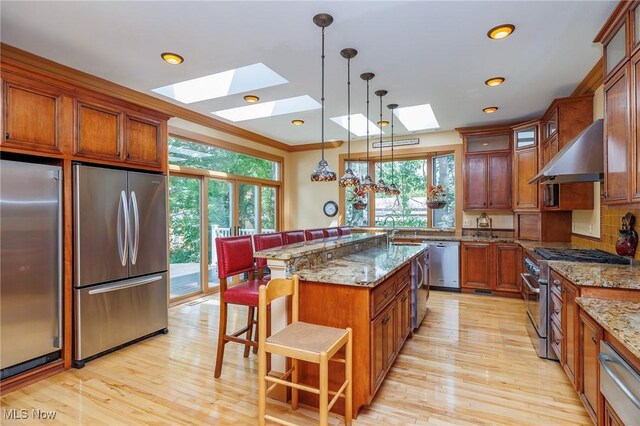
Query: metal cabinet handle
(594, 340)
(526, 281)
(6, 136)
(556, 281)
(604, 359)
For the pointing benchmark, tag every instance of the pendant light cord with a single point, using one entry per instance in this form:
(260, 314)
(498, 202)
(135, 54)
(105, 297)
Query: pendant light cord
(380, 137)
(367, 127)
(349, 113)
(392, 181)
(322, 98)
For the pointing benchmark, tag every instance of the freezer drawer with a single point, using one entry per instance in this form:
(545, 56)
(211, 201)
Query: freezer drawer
(110, 315)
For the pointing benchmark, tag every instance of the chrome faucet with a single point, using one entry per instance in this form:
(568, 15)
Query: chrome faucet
(393, 223)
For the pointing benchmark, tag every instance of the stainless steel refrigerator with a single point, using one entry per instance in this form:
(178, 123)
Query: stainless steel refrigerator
(30, 265)
(120, 258)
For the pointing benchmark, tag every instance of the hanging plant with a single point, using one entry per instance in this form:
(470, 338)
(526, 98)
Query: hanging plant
(436, 197)
(357, 198)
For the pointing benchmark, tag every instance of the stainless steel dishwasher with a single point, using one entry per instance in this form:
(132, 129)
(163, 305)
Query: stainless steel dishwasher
(444, 272)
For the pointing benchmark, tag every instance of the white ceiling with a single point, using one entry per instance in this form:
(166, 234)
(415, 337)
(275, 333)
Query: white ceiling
(433, 52)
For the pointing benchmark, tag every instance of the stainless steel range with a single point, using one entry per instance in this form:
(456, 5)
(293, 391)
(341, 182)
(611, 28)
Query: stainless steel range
(536, 288)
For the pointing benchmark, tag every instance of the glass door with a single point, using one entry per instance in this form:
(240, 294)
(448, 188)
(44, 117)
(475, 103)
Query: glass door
(221, 222)
(248, 208)
(185, 238)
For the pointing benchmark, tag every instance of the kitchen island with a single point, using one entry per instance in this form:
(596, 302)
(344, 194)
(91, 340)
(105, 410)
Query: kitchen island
(360, 282)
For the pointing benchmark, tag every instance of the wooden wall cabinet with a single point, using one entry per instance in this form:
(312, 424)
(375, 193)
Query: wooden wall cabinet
(143, 140)
(491, 266)
(31, 115)
(621, 53)
(525, 166)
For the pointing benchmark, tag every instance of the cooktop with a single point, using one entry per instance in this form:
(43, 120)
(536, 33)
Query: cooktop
(580, 255)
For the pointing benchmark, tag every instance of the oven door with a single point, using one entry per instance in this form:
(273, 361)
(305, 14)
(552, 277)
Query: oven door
(536, 305)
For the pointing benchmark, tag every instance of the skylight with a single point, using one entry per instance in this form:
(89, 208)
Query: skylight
(358, 124)
(418, 117)
(269, 109)
(244, 79)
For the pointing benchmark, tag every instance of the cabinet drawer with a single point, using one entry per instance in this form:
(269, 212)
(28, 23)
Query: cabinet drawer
(556, 340)
(555, 283)
(382, 295)
(556, 309)
(403, 278)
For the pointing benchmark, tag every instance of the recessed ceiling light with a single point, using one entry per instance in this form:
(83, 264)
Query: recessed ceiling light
(490, 110)
(251, 98)
(269, 109)
(494, 81)
(383, 123)
(244, 79)
(358, 124)
(417, 117)
(297, 122)
(172, 58)
(485, 144)
(501, 31)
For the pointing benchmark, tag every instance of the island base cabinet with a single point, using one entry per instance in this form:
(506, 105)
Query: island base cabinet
(380, 319)
(589, 385)
(610, 416)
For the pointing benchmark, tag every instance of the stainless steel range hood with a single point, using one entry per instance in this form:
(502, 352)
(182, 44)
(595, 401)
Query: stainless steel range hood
(581, 160)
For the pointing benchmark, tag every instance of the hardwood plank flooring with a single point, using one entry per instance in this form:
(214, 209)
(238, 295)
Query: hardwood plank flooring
(471, 363)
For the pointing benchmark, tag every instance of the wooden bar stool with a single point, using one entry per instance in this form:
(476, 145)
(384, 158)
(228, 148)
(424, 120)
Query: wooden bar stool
(301, 341)
(235, 257)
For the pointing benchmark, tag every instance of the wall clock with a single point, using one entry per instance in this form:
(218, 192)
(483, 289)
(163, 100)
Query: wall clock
(330, 208)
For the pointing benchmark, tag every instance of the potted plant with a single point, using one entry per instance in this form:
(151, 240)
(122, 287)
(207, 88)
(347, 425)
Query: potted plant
(436, 197)
(358, 198)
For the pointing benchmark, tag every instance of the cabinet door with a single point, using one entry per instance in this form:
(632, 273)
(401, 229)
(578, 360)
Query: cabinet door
(525, 169)
(143, 138)
(557, 342)
(590, 336)
(569, 329)
(507, 276)
(99, 133)
(389, 331)
(475, 191)
(476, 265)
(635, 63)
(616, 141)
(553, 147)
(31, 116)
(403, 317)
(546, 154)
(499, 181)
(610, 416)
(382, 345)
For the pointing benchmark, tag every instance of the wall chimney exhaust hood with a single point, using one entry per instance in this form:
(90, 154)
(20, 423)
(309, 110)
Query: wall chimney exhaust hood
(581, 160)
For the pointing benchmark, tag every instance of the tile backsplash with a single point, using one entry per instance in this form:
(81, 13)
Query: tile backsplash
(610, 221)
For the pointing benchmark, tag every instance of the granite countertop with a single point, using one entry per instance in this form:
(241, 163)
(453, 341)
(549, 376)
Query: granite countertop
(466, 238)
(291, 251)
(618, 317)
(367, 268)
(599, 274)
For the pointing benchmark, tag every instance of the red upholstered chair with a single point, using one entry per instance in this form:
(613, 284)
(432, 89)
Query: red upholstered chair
(291, 237)
(235, 257)
(313, 234)
(330, 232)
(344, 230)
(263, 242)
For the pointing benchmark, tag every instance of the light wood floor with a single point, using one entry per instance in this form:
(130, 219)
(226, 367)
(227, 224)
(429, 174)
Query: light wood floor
(471, 363)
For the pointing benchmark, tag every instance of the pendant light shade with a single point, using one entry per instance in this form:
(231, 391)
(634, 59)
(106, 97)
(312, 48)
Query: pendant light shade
(381, 187)
(322, 172)
(349, 178)
(393, 189)
(367, 183)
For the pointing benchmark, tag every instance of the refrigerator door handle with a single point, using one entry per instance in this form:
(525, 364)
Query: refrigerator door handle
(134, 240)
(123, 212)
(126, 284)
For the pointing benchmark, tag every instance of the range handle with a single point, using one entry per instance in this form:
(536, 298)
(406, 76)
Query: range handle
(529, 286)
(123, 213)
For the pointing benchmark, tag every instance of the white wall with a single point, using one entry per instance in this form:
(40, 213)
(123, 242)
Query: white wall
(587, 222)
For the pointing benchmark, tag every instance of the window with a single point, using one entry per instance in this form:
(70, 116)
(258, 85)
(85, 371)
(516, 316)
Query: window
(214, 193)
(185, 153)
(409, 209)
(357, 205)
(444, 173)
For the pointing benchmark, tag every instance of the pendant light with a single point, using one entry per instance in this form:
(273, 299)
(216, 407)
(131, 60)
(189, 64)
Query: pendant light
(381, 187)
(367, 183)
(393, 189)
(322, 172)
(348, 179)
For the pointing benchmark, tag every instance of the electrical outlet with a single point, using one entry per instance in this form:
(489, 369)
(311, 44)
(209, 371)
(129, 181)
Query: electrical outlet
(329, 255)
(591, 228)
(573, 226)
(467, 222)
